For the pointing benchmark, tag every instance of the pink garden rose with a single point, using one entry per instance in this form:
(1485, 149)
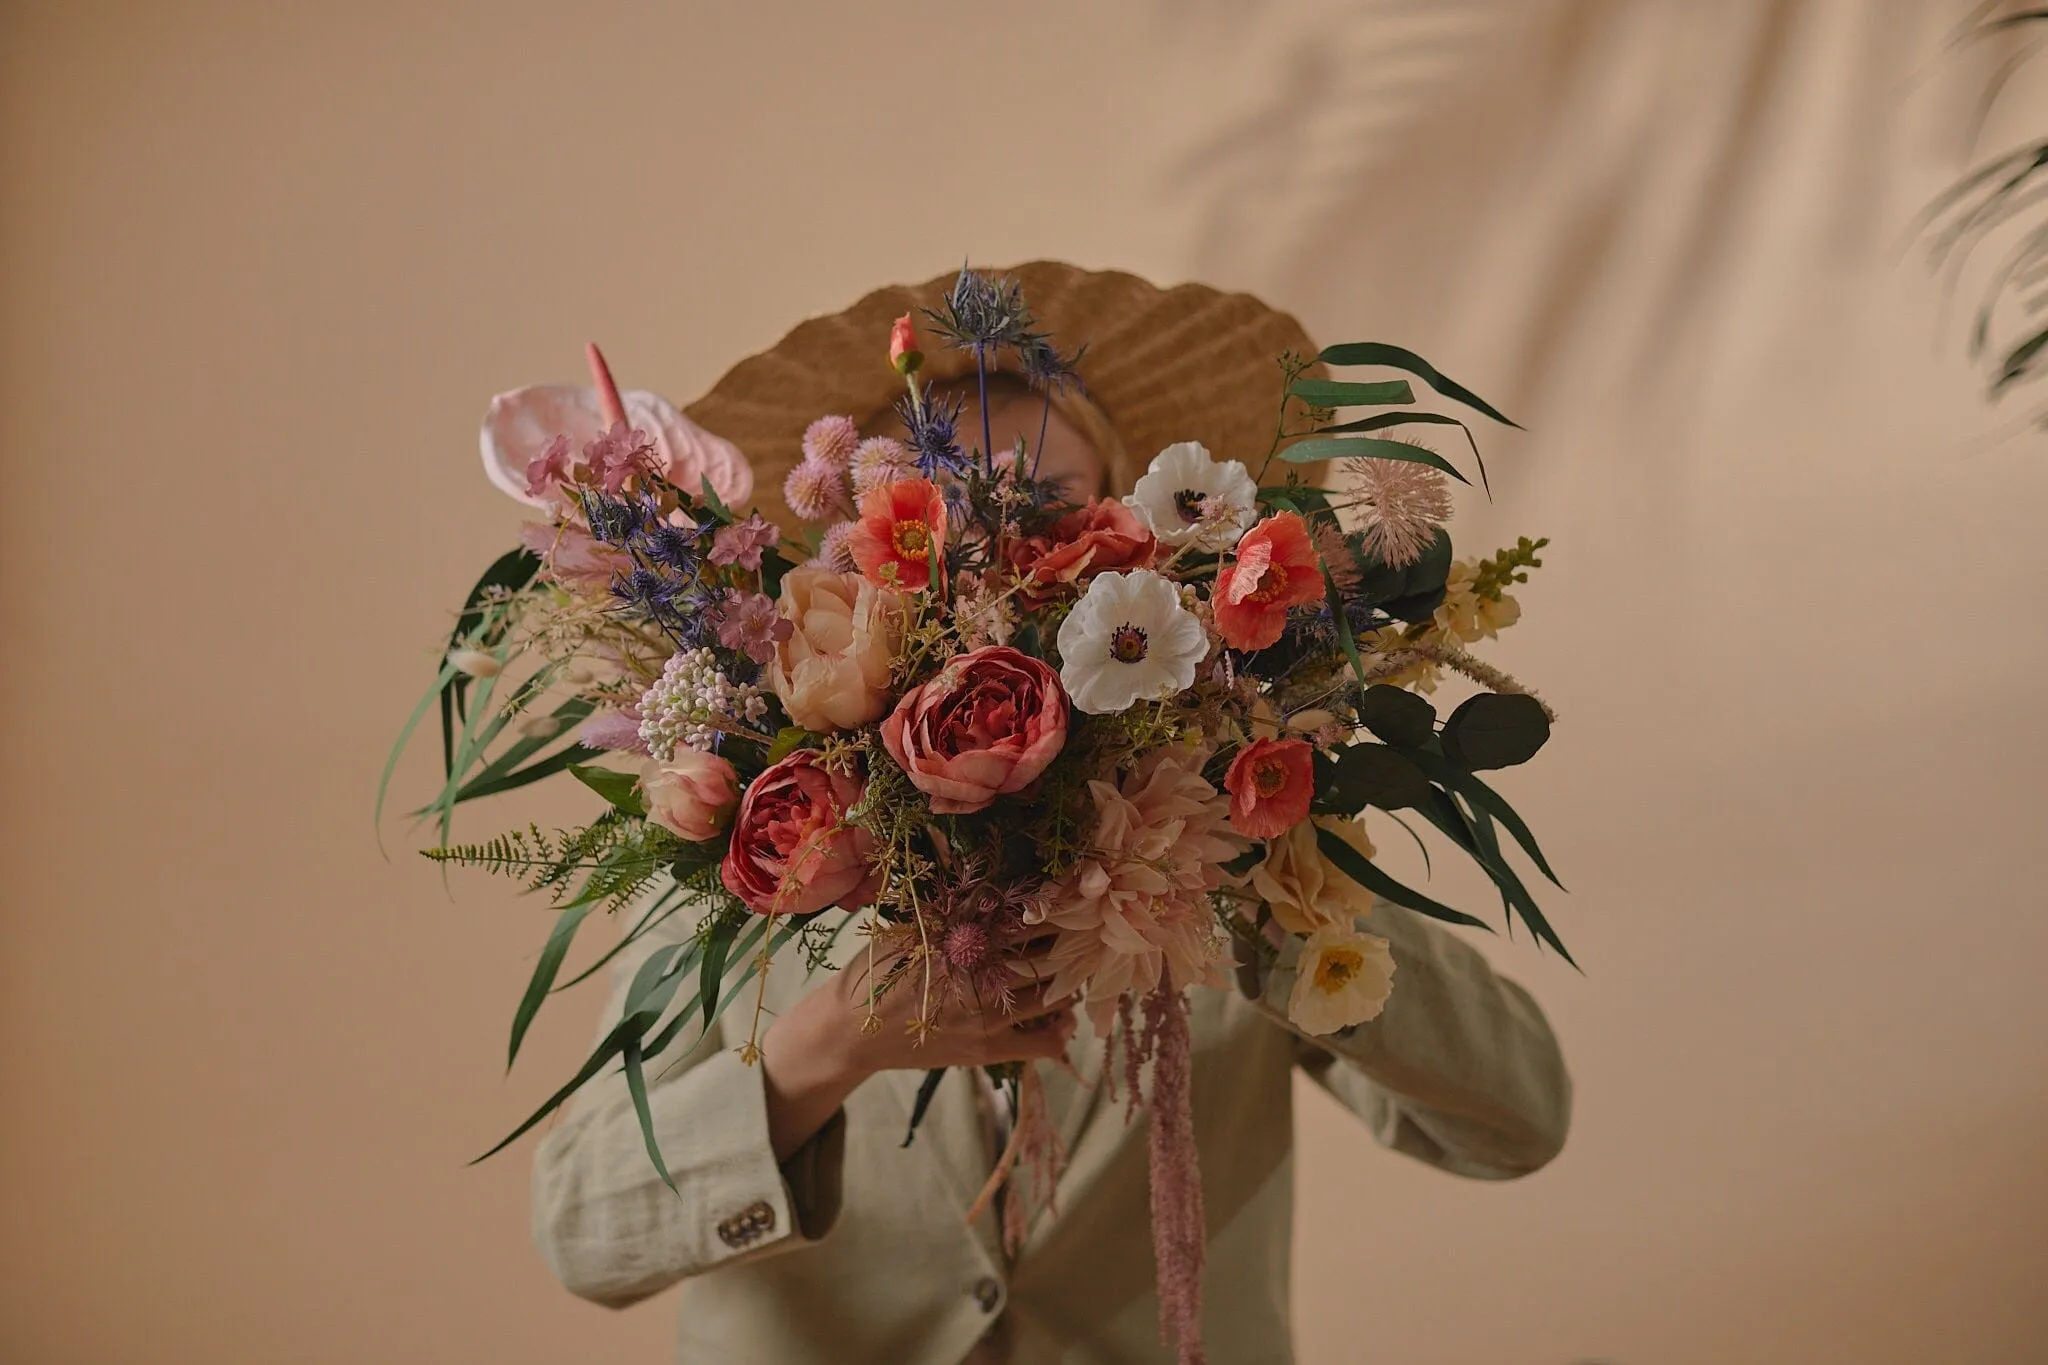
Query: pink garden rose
(692, 795)
(792, 851)
(986, 726)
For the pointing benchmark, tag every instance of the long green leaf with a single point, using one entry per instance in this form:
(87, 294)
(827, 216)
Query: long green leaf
(636, 1086)
(1335, 393)
(749, 939)
(512, 571)
(544, 972)
(1490, 801)
(1415, 417)
(569, 713)
(1511, 888)
(1379, 353)
(621, 790)
(716, 946)
(1317, 449)
(1360, 869)
(650, 919)
(412, 722)
(1344, 638)
(532, 772)
(613, 1044)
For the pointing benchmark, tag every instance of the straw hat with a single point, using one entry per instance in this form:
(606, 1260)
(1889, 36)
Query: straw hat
(1189, 363)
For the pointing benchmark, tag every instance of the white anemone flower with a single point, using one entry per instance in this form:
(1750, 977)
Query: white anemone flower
(1129, 638)
(1344, 978)
(1184, 496)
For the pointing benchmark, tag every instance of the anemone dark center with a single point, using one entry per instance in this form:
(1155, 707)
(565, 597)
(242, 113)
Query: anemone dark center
(1127, 644)
(1188, 503)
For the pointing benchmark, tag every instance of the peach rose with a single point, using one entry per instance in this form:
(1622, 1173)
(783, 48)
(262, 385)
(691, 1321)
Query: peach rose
(692, 795)
(792, 850)
(1087, 541)
(986, 726)
(1303, 888)
(832, 673)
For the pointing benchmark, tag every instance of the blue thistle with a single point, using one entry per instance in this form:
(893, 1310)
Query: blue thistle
(933, 426)
(982, 314)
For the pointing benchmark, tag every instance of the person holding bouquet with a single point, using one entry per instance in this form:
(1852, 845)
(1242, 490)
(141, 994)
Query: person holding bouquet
(788, 1205)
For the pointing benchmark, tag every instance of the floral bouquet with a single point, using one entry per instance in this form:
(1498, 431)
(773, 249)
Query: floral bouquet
(964, 712)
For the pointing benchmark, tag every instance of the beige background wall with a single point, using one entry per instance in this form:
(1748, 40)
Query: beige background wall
(261, 266)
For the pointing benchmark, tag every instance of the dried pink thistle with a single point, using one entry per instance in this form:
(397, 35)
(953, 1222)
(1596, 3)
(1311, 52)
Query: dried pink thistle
(878, 462)
(1179, 1223)
(831, 440)
(816, 491)
(1401, 504)
(835, 551)
(971, 930)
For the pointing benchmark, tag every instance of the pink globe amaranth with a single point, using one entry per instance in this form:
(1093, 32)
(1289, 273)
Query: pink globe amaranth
(986, 726)
(792, 851)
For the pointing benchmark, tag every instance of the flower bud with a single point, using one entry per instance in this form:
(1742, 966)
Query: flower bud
(903, 352)
(475, 663)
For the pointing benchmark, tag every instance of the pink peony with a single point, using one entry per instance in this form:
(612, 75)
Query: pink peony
(1135, 911)
(832, 670)
(792, 850)
(1271, 782)
(986, 726)
(692, 795)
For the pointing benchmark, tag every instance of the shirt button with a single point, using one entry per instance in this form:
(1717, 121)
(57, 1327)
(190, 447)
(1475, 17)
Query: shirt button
(988, 1294)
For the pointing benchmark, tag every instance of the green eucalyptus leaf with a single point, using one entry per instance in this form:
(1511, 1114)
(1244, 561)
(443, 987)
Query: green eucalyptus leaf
(621, 789)
(1360, 869)
(1317, 449)
(1395, 357)
(1411, 592)
(1398, 716)
(1495, 730)
(1333, 393)
(1375, 775)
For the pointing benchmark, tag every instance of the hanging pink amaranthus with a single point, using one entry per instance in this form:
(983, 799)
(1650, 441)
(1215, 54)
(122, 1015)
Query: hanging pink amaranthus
(1179, 1224)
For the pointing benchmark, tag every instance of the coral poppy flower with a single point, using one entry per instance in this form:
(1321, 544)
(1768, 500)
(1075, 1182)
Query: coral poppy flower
(1270, 783)
(902, 525)
(1276, 569)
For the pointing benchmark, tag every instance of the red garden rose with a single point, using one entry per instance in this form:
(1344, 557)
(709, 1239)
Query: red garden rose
(792, 851)
(1089, 540)
(986, 726)
(1270, 784)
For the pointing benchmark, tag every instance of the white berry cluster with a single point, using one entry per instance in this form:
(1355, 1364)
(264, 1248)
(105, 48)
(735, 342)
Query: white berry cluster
(681, 709)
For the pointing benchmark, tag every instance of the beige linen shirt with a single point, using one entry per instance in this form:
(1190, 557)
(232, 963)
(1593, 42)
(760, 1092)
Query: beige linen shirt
(855, 1251)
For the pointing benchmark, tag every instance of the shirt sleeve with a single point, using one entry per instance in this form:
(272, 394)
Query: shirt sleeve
(1460, 1069)
(608, 1226)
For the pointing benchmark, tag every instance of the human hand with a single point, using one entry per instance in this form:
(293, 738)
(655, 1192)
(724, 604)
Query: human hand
(819, 1051)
